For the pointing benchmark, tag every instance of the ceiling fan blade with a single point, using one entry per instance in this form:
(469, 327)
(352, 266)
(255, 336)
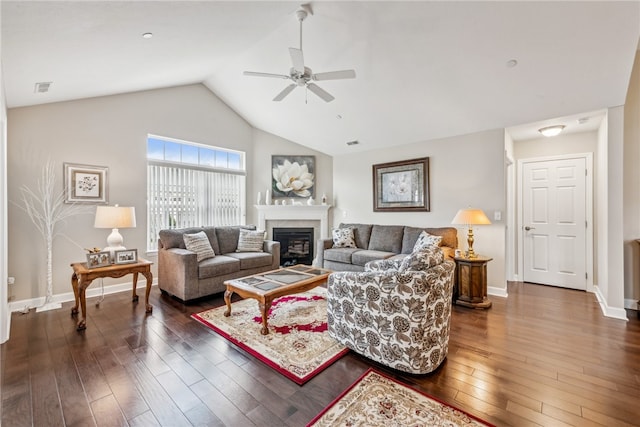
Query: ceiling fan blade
(297, 59)
(320, 92)
(256, 74)
(335, 75)
(286, 91)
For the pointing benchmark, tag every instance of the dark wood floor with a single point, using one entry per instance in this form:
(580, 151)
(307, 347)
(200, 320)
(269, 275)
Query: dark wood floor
(544, 356)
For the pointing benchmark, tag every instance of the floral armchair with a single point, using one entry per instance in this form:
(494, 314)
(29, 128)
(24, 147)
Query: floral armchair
(396, 312)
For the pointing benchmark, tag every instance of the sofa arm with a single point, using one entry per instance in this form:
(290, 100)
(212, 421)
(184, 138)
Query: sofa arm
(178, 272)
(321, 245)
(272, 247)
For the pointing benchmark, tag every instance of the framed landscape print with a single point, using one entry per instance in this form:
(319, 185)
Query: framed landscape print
(85, 184)
(293, 176)
(401, 186)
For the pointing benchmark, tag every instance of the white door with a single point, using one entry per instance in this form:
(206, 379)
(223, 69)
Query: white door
(554, 222)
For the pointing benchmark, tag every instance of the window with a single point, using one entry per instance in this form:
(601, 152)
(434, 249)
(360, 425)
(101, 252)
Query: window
(192, 185)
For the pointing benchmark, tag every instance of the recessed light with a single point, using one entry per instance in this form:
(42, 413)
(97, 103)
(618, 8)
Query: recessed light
(551, 130)
(512, 63)
(147, 35)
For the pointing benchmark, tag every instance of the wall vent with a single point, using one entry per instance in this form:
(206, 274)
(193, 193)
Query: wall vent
(42, 87)
(353, 143)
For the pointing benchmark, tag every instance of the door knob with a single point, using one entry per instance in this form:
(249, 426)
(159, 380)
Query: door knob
(527, 228)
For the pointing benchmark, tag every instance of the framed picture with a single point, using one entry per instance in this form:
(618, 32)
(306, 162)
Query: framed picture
(85, 184)
(401, 186)
(126, 256)
(98, 259)
(293, 176)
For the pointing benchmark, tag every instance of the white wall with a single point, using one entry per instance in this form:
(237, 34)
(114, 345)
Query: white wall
(106, 131)
(5, 315)
(464, 171)
(632, 189)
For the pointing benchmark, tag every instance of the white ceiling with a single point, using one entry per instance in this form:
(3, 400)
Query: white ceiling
(424, 70)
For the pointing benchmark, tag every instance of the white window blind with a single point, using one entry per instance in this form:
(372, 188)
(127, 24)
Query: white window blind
(181, 195)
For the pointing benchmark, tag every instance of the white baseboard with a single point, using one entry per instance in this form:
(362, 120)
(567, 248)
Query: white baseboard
(614, 312)
(497, 292)
(23, 306)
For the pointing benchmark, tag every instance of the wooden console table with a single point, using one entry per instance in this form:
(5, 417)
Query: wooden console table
(471, 282)
(83, 276)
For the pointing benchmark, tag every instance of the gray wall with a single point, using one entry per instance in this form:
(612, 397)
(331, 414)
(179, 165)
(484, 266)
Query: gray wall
(464, 171)
(111, 131)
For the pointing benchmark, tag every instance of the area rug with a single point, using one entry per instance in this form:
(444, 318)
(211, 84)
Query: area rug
(377, 400)
(297, 345)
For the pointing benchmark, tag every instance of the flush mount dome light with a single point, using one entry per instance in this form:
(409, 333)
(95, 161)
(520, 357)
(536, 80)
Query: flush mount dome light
(551, 130)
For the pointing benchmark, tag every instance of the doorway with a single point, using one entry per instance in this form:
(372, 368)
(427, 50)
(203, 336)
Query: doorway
(556, 220)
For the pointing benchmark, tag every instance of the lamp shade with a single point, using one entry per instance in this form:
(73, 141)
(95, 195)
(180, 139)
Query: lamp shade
(470, 217)
(115, 217)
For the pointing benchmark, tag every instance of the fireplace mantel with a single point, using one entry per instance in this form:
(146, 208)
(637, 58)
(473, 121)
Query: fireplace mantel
(295, 212)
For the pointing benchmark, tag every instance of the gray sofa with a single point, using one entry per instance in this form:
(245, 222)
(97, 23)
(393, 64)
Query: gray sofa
(375, 242)
(180, 275)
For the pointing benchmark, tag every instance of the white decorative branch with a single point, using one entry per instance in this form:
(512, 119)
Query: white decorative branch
(46, 208)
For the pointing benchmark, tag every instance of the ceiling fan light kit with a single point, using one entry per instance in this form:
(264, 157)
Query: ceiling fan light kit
(301, 75)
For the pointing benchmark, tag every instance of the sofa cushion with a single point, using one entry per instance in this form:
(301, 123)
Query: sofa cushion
(364, 256)
(343, 238)
(422, 259)
(250, 260)
(449, 237)
(199, 243)
(340, 254)
(386, 238)
(361, 233)
(218, 266)
(425, 239)
(172, 238)
(213, 239)
(228, 237)
(250, 241)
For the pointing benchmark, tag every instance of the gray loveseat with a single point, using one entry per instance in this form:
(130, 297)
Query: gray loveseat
(180, 275)
(375, 242)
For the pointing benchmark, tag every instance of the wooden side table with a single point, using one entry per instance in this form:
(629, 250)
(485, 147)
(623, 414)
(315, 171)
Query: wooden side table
(83, 276)
(471, 282)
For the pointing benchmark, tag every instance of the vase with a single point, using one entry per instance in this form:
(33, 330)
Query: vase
(310, 201)
(259, 199)
(267, 197)
(324, 199)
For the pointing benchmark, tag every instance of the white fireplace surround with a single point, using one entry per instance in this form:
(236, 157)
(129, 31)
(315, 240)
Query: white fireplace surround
(295, 213)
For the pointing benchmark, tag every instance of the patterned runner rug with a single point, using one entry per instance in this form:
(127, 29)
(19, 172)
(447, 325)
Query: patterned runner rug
(377, 400)
(298, 344)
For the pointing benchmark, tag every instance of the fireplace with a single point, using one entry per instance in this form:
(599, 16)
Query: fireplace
(296, 245)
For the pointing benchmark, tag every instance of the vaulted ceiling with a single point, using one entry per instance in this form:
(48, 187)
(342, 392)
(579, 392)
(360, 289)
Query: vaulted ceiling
(424, 69)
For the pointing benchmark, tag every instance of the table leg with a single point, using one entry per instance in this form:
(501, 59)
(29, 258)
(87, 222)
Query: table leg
(227, 300)
(134, 297)
(74, 285)
(264, 309)
(149, 277)
(82, 321)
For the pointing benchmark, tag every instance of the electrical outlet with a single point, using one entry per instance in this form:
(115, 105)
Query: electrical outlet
(11, 280)
(497, 215)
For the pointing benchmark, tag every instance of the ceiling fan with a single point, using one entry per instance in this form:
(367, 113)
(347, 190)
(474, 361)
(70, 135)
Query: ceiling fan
(301, 75)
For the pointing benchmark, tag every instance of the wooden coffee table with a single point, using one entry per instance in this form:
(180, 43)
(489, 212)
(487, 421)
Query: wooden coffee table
(265, 287)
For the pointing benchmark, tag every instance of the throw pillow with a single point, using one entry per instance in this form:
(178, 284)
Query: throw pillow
(199, 243)
(343, 238)
(422, 259)
(250, 240)
(425, 239)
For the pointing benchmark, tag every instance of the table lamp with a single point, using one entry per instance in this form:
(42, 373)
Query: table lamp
(470, 217)
(115, 217)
